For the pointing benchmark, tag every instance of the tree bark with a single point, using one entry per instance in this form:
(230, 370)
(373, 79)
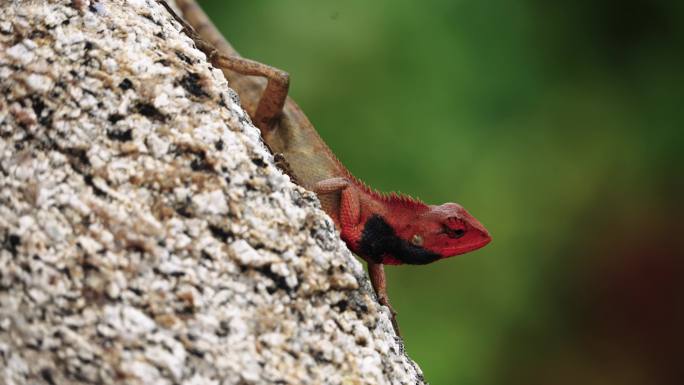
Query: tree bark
(145, 235)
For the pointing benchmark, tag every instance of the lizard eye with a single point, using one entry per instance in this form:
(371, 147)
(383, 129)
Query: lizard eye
(453, 233)
(417, 240)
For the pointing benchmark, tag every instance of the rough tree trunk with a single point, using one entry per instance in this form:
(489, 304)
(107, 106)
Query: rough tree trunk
(145, 235)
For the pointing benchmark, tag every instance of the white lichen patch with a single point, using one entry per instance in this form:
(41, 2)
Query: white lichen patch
(145, 235)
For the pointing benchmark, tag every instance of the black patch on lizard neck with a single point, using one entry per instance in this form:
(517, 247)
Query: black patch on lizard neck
(379, 239)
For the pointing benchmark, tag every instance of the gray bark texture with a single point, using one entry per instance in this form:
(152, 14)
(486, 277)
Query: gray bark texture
(145, 235)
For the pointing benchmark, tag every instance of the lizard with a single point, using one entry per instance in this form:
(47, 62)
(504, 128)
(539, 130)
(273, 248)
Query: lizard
(382, 229)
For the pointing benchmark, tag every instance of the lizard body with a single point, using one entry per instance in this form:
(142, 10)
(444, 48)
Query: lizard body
(380, 228)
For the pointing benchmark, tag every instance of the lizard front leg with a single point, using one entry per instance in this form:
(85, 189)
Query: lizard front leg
(376, 271)
(350, 218)
(349, 214)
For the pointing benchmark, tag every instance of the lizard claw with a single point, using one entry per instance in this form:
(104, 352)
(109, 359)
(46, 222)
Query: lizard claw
(385, 302)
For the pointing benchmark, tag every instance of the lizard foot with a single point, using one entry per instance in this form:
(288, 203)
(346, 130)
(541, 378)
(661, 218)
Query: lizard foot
(383, 300)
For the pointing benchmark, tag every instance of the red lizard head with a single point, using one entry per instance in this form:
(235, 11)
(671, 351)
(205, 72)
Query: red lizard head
(415, 233)
(447, 230)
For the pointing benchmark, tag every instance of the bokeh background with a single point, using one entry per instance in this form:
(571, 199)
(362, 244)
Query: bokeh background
(557, 124)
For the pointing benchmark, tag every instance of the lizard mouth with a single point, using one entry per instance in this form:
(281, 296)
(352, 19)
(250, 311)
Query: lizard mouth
(477, 242)
(482, 243)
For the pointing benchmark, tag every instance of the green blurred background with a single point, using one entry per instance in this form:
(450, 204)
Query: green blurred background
(557, 124)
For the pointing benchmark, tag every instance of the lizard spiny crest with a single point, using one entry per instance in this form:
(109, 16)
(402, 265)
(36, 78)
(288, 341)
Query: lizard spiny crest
(403, 200)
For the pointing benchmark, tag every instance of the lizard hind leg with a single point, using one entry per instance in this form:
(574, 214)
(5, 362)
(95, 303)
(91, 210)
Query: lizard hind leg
(224, 56)
(272, 99)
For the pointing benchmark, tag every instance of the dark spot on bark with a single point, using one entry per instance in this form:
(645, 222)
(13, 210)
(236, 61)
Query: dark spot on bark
(113, 118)
(12, 241)
(200, 163)
(88, 265)
(219, 144)
(191, 83)
(23, 142)
(136, 291)
(88, 46)
(25, 266)
(221, 234)
(92, 62)
(92, 295)
(150, 111)
(121, 136)
(187, 310)
(163, 62)
(224, 328)
(279, 281)
(341, 305)
(284, 166)
(126, 84)
(244, 120)
(46, 120)
(66, 22)
(259, 162)
(196, 352)
(320, 358)
(88, 179)
(46, 374)
(79, 154)
(37, 34)
(136, 246)
(205, 255)
(183, 57)
(38, 105)
(183, 210)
